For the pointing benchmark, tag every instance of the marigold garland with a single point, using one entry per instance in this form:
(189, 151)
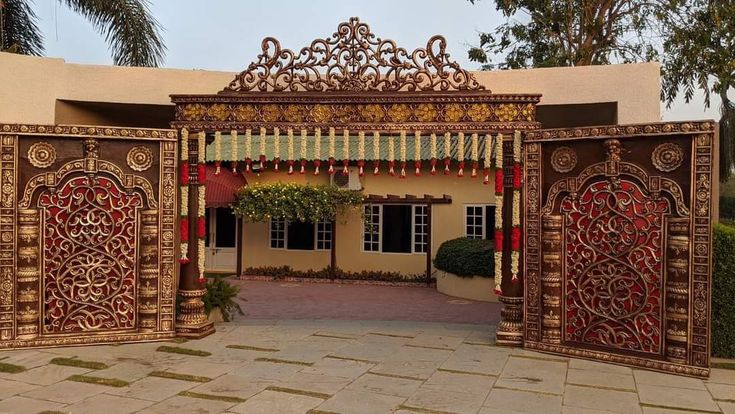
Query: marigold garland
(361, 153)
(460, 154)
(498, 214)
(376, 153)
(345, 151)
(447, 152)
(317, 150)
(433, 154)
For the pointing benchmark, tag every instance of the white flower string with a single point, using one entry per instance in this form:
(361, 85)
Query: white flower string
(248, 148)
(201, 203)
(303, 151)
(433, 154)
(361, 153)
(391, 156)
(460, 154)
(498, 214)
(487, 162)
(261, 143)
(217, 152)
(184, 210)
(234, 151)
(474, 149)
(447, 152)
(276, 148)
(345, 151)
(417, 152)
(516, 213)
(317, 150)
(402, 153)
(376, 153)
(331, 151)
(290, 155)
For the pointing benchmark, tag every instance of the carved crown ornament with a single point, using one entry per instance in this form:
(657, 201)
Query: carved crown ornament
(354, 79)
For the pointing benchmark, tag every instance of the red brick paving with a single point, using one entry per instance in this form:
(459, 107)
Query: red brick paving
(294, 300)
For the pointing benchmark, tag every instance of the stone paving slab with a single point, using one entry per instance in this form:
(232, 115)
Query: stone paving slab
(322, 366)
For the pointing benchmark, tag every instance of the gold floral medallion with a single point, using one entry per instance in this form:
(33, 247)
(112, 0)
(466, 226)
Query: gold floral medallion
(140, 158)
(244, 113)
(667, 157)
(426, 112)
(41, 154)
(453, 113)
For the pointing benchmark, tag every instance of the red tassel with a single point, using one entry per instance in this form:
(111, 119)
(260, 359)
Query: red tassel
(184, 260)
(303, 167)
(447, 161)
(201, 173)
(290, 167)
(184, 229)
(499, 240)
(345, 167)
(275, 164)
(248, 165)
(202, 279)
(184, 173)
(331, 166)
(499, 181)
(360, 167)
(498, 292)
(417, 164)
(515, 238)
(391, 168)
(403, 169)
(433, 166)
(516, 176)
(217, 165)
(475, 166)
(460, 173)
(201, 228)
(261, 159)
(317, 164)
(376, 167)
(486, 176)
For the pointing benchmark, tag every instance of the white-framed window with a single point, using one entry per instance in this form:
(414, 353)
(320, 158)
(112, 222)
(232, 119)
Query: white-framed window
(479, 221)
(395, 228)
(299, 235)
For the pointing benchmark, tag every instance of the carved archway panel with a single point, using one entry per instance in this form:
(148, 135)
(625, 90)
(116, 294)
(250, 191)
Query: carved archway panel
(93, 260)
(618, 261)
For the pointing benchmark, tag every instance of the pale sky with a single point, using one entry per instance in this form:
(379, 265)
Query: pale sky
(226, 34)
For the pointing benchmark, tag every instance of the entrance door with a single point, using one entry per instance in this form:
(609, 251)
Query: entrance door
(221, 253)
(618, 237)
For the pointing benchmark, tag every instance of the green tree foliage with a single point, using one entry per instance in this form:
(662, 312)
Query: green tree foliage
(293, 202)
(699, 53)
(545, 33)
(127, 26)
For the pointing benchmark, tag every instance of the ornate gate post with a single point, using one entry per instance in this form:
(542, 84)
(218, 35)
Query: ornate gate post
(191, 320)
(509, 331)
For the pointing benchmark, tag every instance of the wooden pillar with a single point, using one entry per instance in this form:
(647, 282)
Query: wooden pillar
(191, 321)
(510, 328)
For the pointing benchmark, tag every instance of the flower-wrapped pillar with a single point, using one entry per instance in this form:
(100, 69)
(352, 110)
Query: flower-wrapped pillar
(191, 320)
(510, 328)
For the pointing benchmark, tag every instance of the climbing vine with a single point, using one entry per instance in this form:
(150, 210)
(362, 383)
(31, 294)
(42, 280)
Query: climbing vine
(260, 202)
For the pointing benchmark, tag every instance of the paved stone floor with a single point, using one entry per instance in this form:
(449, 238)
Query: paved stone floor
(327, 366)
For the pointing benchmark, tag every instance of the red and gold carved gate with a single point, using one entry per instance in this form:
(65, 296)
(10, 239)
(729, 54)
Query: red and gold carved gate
(87, 234)
(618, 239)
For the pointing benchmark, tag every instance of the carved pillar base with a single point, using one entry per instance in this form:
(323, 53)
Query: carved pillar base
(191, 321)
(509, 331)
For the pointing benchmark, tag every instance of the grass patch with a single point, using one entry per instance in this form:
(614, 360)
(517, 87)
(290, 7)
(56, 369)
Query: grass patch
(110, 382)
(182, 351)
(225, 398)
(73, 362)
(723, 365)
(299, 392)
(176, 376)
(284, 361)
(252, 348)
(11, 368)
(178, 340)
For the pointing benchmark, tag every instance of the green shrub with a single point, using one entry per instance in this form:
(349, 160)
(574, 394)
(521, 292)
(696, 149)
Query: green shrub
(723, 292)
(727, 208)
(466, 257)
(221, 294)
(281, 272)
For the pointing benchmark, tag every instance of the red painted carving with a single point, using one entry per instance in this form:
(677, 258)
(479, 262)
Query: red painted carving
(613, 271)
(89, 256)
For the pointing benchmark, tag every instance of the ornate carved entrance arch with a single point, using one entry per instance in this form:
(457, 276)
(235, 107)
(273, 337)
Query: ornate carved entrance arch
(355, 83)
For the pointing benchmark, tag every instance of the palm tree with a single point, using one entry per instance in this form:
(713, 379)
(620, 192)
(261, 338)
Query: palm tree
(127, 26)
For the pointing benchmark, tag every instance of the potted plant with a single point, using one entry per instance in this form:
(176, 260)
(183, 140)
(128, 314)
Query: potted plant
(219, 301)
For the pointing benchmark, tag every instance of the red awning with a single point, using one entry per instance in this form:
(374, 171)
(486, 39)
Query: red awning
(221, 188)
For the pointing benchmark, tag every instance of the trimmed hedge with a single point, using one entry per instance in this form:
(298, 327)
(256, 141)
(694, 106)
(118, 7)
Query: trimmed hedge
(727, 208)
(723, 292)
(280, 272)
(466, 257)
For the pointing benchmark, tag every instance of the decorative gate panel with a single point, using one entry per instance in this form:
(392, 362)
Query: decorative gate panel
(94, 214)
(618, 237)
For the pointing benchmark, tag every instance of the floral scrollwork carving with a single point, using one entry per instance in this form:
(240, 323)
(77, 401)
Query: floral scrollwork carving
(563, 159)
(667, 157)
(139, 158)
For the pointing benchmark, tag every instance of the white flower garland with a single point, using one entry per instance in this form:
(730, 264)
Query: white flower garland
(487, 161)
(498, 215)
(217, 151)
(317, 149)
(290, 155)
(403, 153)
(184, 210)
(361, 152)
(447, 151)
(460, 154)
(276, 148)
(345, 151)
(391, 156)
(234, 149)
(201, 202)
(433, 153)
(516, 214)
(417, 152)
(261, 156)
(332, 152)
(248, 148)
(474, 154)
(303, 151)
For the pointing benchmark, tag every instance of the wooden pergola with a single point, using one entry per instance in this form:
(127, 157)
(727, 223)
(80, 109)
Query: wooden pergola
(341, 89)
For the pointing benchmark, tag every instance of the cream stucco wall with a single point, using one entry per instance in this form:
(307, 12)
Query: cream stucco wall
(31, 86)
(447, 223)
